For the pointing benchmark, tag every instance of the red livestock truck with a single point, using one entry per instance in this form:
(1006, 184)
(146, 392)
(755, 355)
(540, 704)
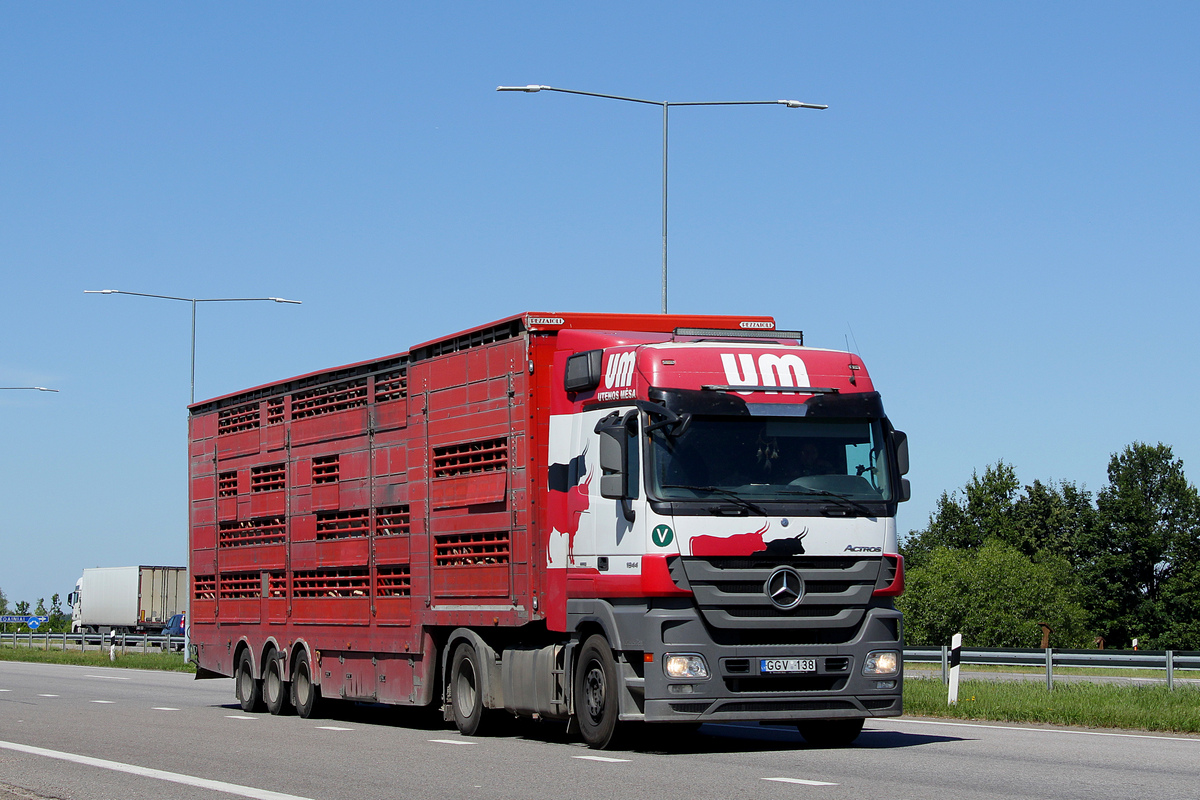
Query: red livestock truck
(600, 518)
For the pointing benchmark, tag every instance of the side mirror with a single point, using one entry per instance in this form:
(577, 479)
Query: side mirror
(905, 491)
(615, 474)
(900, 439)
(583, 371)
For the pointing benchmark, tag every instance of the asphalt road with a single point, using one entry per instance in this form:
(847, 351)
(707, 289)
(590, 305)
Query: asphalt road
(84, 733)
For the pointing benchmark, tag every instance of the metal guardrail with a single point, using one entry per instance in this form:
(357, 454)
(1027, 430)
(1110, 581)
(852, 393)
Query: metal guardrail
(1163, 660)
(125, 642)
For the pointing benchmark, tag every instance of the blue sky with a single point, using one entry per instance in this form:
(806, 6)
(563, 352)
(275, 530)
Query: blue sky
(999, 207)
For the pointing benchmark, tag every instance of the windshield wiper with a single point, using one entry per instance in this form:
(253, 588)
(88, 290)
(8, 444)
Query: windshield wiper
(840, 498)
(733, 496)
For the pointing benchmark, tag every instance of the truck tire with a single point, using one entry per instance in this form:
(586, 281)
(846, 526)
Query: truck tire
(275, 689)
(466, 691)
(830, 732)
(249, 690)
(306, 695)
(597, 693)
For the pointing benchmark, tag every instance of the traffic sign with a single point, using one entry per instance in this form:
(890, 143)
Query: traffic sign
(19, 619)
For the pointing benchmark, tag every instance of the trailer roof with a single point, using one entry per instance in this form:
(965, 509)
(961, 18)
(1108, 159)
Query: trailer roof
(506, 327)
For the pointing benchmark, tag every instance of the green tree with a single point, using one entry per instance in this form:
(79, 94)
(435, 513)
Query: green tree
(1142, 553)
(996, 596)
(59, 622)
(1044, 519)
(966, 518)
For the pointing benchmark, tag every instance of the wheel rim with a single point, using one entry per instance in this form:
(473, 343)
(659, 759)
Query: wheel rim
(464, 688)
(594, 692)
(271, 686)
(303, 685)
(245, 681)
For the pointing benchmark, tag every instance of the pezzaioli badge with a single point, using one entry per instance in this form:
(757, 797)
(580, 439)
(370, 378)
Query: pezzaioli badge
(545, 320)
(757, 325)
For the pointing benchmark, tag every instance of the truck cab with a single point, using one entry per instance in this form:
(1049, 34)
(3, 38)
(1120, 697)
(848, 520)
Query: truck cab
(733, 502)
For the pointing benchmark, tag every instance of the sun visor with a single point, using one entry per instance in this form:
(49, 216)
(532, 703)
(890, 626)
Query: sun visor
(701, 403)
(857, 405)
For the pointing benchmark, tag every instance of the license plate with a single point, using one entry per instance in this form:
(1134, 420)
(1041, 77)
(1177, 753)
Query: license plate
(774, 665)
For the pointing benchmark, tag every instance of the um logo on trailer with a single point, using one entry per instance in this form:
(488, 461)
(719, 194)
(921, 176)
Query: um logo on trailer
(618, 377)
(770, 370)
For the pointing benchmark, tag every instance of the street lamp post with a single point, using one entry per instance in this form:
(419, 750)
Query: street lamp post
(666, 106)
(194, 301)
(35, 388)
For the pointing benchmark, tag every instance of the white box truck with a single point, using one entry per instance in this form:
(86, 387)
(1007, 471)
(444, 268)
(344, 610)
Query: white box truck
(127, 599)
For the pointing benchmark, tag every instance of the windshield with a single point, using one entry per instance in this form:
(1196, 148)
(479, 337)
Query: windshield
(785, 459)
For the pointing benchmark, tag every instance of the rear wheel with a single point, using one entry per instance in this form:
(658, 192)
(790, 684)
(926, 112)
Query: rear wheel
(305, 694)
(275, 688)
(466, 696)
(597, 695)
(249, 690)
(830, 732)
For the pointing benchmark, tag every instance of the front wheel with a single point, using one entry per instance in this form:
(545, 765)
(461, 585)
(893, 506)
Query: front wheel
(466, 696)
(249, 690)
(597, 693)
(830, 732)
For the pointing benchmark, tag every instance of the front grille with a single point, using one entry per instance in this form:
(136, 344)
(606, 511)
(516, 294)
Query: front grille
(690, 708)
(731, 596)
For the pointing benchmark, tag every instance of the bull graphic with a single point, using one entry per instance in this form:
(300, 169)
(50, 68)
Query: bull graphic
(748, 544)
(568, 499)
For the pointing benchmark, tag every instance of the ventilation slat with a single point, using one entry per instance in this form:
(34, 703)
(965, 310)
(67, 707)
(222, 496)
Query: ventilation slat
(237, 419)
(331, 583)
(471, 549)
(328, 399)
(342, 524)
(326, 469)
(268, 478)
(204, 587)
(393, 581)
(470, 458)
(393, 521)
(267, 530)
(392, 386)
(227, 484)
(241, 585)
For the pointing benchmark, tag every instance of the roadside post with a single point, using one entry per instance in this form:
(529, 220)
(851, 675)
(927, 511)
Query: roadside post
(955, 660)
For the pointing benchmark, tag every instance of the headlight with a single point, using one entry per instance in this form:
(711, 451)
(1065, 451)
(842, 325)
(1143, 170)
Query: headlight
(881, 662)
(685, 665)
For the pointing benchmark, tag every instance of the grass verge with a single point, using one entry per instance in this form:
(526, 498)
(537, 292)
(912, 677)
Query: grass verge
(1096, 705)
(172, 662)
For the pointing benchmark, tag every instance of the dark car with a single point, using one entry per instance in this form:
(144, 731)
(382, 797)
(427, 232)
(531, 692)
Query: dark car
(174, 628)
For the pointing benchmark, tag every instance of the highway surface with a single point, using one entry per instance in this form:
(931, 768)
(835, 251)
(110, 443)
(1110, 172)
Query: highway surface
(86, 733)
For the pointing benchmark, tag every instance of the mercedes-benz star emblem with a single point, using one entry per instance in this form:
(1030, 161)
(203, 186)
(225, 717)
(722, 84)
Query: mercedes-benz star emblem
(784, 588)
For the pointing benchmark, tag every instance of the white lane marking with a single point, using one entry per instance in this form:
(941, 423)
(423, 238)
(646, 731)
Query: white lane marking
(450, 741)
(107, 677)
(163, 708)
(47, 695)
(5, 690)
(801, 781)
(332, 728)
(105, 702)
(238, 716)
(602, 758)
(1044, 730)
(146, 772)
